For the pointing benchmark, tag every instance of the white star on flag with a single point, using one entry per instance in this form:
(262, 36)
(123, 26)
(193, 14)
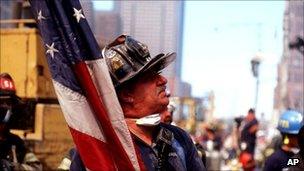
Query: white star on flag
(40, 16)
(78, 14)
(51, 50)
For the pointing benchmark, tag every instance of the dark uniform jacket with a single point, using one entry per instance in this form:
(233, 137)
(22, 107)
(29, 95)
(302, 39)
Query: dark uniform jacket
(247, 137)
(278, 160)
(180, 153)
(12, 141)
(299, 166)
(13, 146)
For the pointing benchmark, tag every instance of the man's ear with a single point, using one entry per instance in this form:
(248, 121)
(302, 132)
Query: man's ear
(126, 97)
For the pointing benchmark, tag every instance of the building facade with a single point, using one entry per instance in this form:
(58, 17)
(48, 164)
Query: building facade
(88, 10)
(6, 10)
(107, 26)
(289, 91)
(160, 26)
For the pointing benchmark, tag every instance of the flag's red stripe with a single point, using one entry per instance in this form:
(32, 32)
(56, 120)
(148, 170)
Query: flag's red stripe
(117, 151)
(94, 153)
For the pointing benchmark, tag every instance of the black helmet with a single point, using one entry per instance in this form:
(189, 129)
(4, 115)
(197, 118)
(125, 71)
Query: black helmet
(127, 57)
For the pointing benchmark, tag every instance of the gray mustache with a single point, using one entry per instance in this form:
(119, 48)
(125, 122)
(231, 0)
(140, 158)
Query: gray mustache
(160, 89)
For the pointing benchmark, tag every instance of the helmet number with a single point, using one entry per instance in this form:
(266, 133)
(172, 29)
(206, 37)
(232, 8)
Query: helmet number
(284, 123)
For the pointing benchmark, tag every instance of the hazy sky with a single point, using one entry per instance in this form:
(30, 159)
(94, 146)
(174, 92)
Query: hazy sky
(220, 39)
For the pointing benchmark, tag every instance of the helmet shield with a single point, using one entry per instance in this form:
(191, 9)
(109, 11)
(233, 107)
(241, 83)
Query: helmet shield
(127, 58)
(8, 89)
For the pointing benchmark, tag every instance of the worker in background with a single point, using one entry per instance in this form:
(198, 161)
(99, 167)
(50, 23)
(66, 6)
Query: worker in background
(289, 125)
(248, 128)
(13, 153)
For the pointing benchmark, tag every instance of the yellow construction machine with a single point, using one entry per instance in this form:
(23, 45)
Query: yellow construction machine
(40, 121)
(189, 112)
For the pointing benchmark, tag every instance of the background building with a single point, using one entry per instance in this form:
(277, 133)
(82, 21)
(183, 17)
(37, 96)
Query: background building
(6, 9)
(107, 26)
(160, 26)
(289, 90)
(15, 10)
(185, 89)
(88, 10)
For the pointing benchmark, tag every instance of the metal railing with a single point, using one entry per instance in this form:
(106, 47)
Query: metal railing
(20, 23)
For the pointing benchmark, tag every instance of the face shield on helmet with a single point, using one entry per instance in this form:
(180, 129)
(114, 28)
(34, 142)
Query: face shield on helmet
(290, 122)
(126, 58)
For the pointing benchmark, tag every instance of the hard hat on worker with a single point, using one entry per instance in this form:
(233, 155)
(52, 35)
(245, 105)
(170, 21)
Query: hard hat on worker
(290, 122)
(7, 87)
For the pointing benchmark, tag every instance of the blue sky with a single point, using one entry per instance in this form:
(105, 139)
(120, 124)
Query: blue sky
(103, 5)
(220, 39)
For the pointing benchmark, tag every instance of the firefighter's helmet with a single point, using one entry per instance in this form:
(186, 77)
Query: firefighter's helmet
(127, 58)
(7, 86)
(290, 122)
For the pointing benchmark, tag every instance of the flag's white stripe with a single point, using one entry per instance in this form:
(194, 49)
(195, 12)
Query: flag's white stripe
(102, 80)
(77, 112)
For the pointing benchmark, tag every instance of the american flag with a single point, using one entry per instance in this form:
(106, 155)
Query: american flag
(84, 87)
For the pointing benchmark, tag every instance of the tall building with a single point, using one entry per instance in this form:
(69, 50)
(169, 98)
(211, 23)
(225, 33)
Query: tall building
(160, 26)
(15, 10)
(107, 26)
(88, 10)
(10, 10)
(289, 91)
(6, 9)
(185, 89)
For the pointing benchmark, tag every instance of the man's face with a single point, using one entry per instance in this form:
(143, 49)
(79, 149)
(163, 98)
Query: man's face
(250, 116)
(149, 92)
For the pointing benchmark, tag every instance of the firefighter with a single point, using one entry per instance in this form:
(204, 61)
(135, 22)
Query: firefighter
(13, 153)
(289, 125)
(249, 127)
(212, 143)
(141, 91)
